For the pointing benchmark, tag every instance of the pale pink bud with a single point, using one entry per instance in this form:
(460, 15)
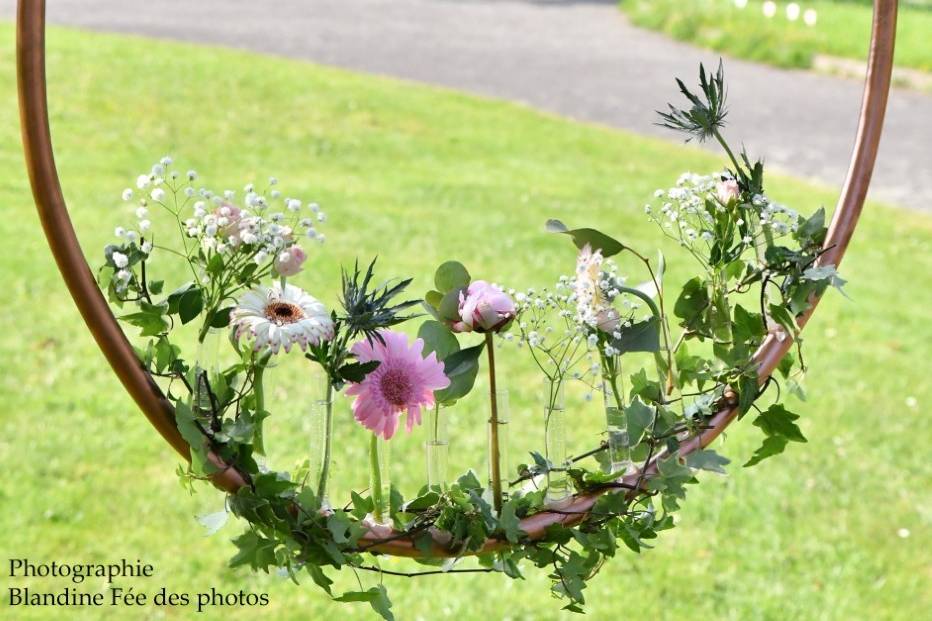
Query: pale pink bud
(727, 191)
(289, 262)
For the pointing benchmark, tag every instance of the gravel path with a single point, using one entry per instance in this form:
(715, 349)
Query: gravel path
(578, 58)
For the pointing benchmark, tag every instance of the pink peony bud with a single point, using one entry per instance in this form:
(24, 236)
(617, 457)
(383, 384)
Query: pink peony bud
(727, 191)
(289, 262)
(484, 308)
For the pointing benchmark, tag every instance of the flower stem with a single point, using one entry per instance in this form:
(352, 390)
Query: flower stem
(495, 455)
(377, 499)
(328, 432)
(258, 389)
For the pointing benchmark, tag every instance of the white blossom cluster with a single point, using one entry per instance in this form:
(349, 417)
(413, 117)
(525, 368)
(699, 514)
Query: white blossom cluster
(686, 212)
(263, 227)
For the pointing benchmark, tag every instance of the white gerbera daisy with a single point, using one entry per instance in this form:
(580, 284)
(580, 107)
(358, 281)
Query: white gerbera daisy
(274, 318)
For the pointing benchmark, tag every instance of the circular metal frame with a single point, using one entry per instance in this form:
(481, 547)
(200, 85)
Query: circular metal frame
(53, 213)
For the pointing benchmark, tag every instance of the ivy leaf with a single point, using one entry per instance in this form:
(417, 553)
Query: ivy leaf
(361, 505)
(780, 427)
(212, 522)
(639, 416)
(827, 274)
(773, 445)
(155, 286)
(748, 389)
(187, 427)
(376, 596)
(254, 550)
(319, 577)
(469, 481)
(707, 459)
(437, 338)
(510, 523)
(451, 275)
(150, 319)
(596, 239)
(778, 421)
(338, 525)
(784, 317)
(811, 232)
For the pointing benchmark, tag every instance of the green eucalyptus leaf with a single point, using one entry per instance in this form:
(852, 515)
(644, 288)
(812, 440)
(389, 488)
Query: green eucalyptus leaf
(451, 275)
(691, 304)
(174, 298)
(221, 318)
(461, 367)
(356, 372)
(215, 265)
(191, 304)
(438, 339)
(595, 239)
(449, 309)
(641, 336)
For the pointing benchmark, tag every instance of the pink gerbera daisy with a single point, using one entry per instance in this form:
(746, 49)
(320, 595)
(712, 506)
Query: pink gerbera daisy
(405, 381)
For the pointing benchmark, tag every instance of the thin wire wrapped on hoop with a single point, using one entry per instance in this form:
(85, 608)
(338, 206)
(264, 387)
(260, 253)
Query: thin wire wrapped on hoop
(53, 213)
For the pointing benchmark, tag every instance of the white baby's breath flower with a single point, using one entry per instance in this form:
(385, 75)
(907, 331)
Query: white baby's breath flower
(144, 225)
(119, 231)
(128, 194)
(143, 181)
(141, 212)
(158, 195)
(120, 259)
(146, 247)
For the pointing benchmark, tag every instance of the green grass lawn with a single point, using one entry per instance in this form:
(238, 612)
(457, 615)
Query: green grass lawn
(843, 29)
(419, 175)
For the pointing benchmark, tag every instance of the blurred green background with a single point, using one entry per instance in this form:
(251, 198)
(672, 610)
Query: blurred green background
(835, 529)
(745, 32)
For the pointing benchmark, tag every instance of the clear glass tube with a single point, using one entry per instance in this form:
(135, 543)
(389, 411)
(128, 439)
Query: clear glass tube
(558, 485)
(379, 479)
(438, 448)
(315, 430)
(503, 405)
(320, 434)
(616, 428)
(208, 369)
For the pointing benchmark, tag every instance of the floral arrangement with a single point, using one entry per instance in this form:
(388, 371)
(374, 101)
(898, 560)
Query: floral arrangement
(661, 363)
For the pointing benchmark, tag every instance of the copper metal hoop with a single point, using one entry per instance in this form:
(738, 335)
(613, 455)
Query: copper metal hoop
(53, 213)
